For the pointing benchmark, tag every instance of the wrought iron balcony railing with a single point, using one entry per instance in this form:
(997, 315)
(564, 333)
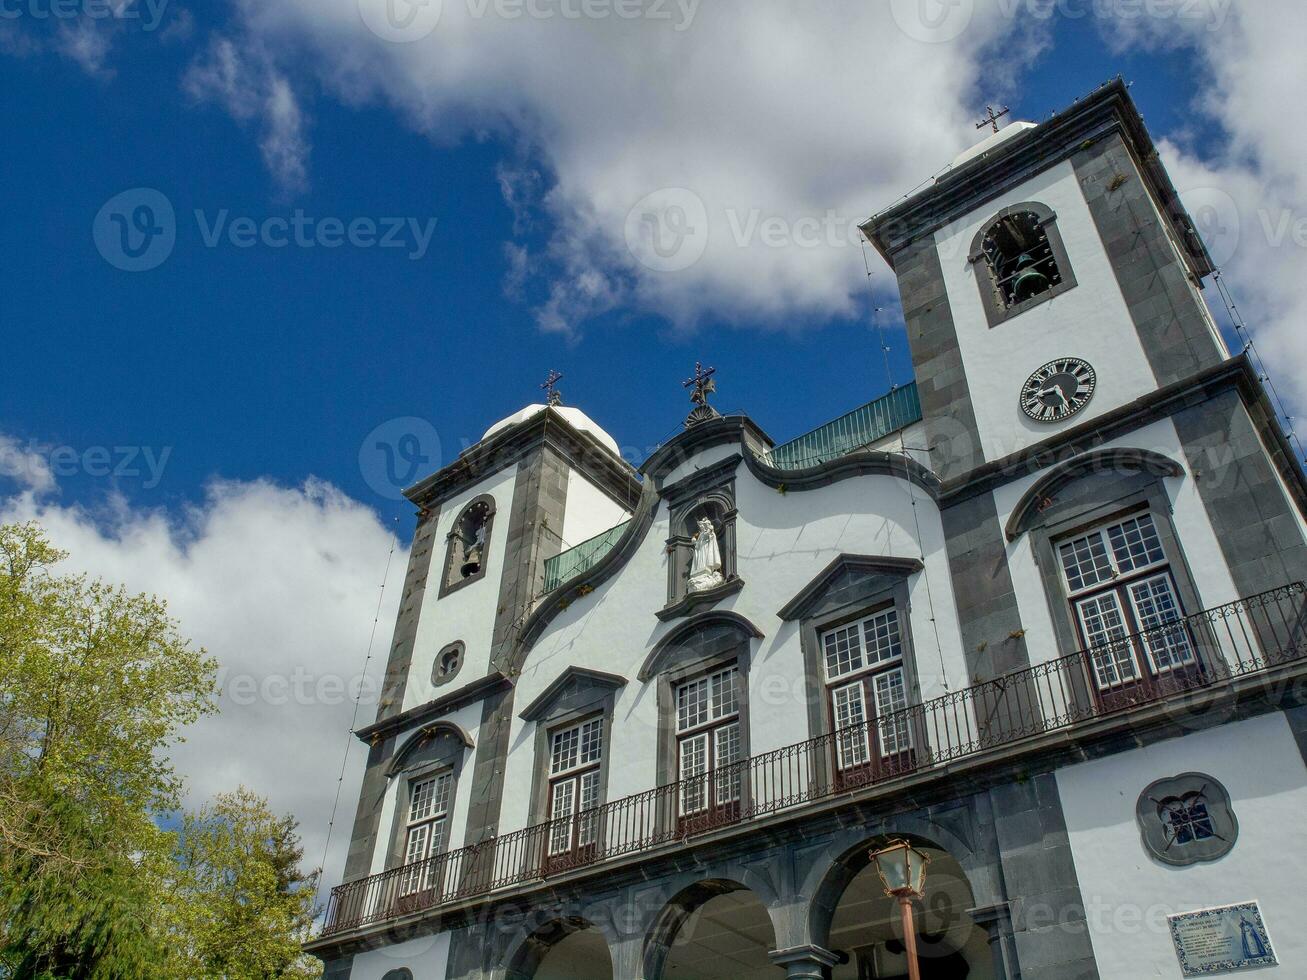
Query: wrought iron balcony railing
(1199, 652)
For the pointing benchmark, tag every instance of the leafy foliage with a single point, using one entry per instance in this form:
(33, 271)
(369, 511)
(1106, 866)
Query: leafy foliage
(96, 684)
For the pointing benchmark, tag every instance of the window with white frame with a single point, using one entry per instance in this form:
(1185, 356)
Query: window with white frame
(708, 740)
(426, 829)
(575, 760)
(1118, 577)
(867, 687)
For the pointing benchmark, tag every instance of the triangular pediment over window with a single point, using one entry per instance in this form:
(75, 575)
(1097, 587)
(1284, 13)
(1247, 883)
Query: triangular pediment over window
(573, 682)
(847, 574)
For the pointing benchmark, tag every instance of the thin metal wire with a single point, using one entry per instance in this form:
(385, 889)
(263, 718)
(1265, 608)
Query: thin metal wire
(353, 724)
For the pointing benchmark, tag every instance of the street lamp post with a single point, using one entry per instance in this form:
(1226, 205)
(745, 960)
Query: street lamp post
(902, 870)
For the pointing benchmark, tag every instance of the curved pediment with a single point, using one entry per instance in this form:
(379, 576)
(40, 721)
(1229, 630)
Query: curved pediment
(1101, 462)
(702, 635)
(440, 739)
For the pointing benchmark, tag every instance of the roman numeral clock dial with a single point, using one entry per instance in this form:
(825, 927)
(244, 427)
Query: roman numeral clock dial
(1058, 390)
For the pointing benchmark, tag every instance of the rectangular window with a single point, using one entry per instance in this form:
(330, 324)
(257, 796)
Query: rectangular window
(575, 761)
(709, 741)
(870, 689)
(426, 828)
(1125, 601)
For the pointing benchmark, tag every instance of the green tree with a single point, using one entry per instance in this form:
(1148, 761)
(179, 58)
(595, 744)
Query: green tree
(96, 685)
(240, 902)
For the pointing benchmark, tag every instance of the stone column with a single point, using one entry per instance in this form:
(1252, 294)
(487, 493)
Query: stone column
(804, 962)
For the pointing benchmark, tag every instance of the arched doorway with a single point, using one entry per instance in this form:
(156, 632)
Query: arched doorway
(864, 927)
(565, 949)
(715, 930)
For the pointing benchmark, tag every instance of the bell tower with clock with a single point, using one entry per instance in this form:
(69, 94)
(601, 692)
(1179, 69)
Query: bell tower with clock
(1049, 277)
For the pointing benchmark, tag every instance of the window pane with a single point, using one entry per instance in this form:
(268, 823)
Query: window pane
(1085, 562)
(589, 819)
(592, 741)
(726, 751)
(892, 697)
(883, 642)
(560, 830)
(694, 763)
(422, 798)
(416, 849)
(850, 718)
(565, 748)
(692, 704)
(1135, 543)
(843, 649)
(1158, 610)
(1109, 649)
(725, 700)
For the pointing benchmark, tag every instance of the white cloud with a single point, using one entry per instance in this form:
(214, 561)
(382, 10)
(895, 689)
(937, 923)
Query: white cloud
(810, 113)
(243, 79)
(279, 584)
(27, 465)
(1248, 192)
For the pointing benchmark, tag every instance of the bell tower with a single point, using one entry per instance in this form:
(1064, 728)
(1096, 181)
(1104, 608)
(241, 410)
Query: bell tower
(1049, 276)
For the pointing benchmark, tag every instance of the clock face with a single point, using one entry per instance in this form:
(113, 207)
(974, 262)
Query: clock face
(1058, 390)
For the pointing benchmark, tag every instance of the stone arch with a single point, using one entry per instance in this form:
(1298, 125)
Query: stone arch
(468, 544)
(681, 907)
(532, 951)
(438, 738)
(829, 877)
(1035, 500)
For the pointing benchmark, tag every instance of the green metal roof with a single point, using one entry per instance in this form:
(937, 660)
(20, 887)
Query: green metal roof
(873, 421)
(584, 556)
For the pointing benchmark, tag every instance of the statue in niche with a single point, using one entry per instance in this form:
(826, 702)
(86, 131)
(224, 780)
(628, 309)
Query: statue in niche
(706, 568)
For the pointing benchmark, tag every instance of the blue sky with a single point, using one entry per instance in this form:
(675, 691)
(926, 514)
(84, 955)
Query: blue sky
(195, 429)
(262, 362)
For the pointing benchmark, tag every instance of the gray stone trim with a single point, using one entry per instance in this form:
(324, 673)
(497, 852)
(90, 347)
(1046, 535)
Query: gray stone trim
(711, 494)
(400, 661)
(860, 462)
(1297, 721)
(448, 583)
(1153, 831)
(492, 683)
(952, 433)
(422, 739)
(737, 429)
(841, 572)
(488, 771)
(993, 637)
(804, 962)
(427, 753)
(367, 819)
(569, 682)
(965, 189)
(701, 481)
(697, 637)
(440, 678)
(1250, 514)
(582, 702)
(1044, 491)
(1039, 877)
(583, 452)
(1162, 297)
(995, 312)
(691, 601)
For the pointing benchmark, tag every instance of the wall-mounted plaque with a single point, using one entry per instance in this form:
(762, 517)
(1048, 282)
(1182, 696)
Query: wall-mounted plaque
(1221, 940)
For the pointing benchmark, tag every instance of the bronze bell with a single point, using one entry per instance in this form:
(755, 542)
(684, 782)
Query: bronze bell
(1028, 280)
(472, 563)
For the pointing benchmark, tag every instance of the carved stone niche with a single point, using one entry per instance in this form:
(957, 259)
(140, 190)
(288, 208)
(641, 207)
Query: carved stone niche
(708, 494)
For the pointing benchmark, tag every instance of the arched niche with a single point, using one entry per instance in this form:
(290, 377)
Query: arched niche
(467, 547)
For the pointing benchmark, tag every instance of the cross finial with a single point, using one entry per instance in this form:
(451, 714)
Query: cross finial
(703, 386)
(553, 397)
(992, 117)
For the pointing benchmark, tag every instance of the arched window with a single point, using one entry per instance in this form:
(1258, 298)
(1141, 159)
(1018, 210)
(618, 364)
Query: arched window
(1020, 261)
(469, 544)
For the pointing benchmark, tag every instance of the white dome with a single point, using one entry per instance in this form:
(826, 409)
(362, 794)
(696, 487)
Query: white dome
(576, 418)
(991, 141)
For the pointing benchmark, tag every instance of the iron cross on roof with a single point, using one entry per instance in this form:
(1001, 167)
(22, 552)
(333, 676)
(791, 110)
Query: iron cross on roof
(992, 117)
(553, 397)
(702, 383)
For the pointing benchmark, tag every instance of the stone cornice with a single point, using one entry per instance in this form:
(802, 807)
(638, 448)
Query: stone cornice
(476, 691)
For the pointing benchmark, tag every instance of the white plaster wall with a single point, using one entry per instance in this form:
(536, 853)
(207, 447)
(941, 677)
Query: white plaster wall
(427, 957)
(1202, 551)
(467, 614)
(467, 718)
(1128, 894)
(783, 542)
(699, 461)
(1090, 321)
(589, 511)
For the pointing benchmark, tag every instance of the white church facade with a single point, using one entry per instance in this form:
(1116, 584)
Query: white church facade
(1040, 613)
